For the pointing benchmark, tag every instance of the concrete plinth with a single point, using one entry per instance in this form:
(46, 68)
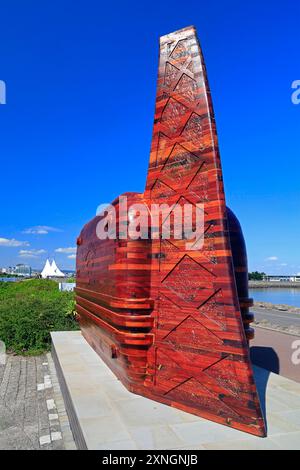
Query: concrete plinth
(105, 415)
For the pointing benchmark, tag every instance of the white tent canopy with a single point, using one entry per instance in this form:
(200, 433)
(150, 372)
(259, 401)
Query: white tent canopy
(51, 270)
(56, 270)
(47, 270)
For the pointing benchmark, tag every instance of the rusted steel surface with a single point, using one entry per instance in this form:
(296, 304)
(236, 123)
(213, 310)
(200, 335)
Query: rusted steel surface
(166, 319)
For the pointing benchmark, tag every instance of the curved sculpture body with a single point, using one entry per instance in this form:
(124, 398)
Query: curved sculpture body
(172, 323)
(240, 265)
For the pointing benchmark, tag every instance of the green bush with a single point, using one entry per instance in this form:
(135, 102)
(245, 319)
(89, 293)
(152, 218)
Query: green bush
(29, 310)
(256, 276)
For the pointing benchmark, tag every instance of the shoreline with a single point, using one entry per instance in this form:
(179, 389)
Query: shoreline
(281, 285)
(278, 307)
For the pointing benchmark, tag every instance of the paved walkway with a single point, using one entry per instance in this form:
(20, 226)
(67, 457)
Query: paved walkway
(276, 351)
(111, 417)
(32, 412)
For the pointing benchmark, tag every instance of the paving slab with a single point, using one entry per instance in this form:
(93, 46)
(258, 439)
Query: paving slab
(25, 419)
(110, 417)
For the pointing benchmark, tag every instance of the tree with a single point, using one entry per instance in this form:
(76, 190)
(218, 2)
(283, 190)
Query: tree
(256, 276)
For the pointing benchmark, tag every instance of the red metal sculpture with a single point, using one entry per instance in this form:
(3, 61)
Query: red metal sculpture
(166, 319)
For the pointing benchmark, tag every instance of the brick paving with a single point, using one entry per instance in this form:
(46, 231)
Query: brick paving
(32, 411)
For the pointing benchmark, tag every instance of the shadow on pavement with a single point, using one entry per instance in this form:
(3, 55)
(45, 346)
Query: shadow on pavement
(267, 361)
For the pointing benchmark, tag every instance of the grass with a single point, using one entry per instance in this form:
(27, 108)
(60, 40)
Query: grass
(30, 310)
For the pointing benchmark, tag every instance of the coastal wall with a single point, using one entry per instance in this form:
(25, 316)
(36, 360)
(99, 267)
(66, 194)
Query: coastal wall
(280, 307)
(276, 284)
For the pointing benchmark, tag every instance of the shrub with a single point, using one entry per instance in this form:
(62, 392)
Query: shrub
(29, 310)
(256, 276)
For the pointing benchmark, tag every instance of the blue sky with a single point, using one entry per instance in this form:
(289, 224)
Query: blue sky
(76, 129)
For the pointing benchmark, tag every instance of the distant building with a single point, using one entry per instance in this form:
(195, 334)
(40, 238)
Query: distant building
(278, 278)
(22, 270)
(69, 273)
(51, 270)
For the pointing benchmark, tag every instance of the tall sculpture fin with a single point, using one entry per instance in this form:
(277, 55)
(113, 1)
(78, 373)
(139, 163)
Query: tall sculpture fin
(200, 357)
(164, 316)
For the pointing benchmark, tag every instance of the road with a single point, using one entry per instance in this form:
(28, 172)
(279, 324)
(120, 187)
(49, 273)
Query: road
(277, 317)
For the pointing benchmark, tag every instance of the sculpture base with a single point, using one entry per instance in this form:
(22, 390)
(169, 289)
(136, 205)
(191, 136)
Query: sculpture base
(105, 415)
